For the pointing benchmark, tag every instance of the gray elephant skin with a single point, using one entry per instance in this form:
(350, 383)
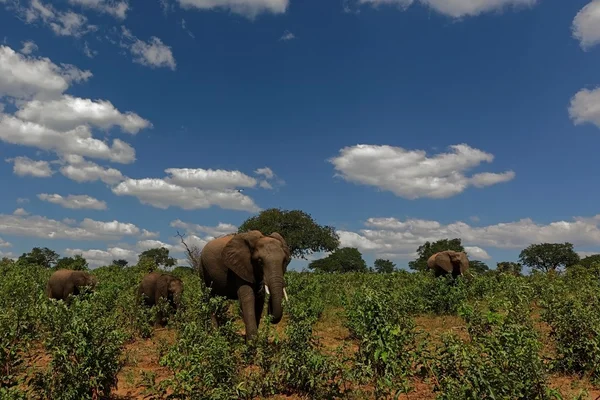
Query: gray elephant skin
(448, 261)
(65, 282)
(155, 285)
(245, 267)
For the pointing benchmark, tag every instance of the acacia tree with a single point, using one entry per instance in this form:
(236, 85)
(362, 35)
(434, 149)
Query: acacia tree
(152, 258)
(120, 262)
(509, 267)
(590, 260)
(384, 266)
(428, 249)
(478, 266)
(549, 256)
(39, 256)
(75, 263)
(302, 234)
(345, 259)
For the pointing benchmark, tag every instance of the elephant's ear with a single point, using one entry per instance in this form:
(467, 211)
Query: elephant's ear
(285, 247)
(464, 262)
(237, 254)
(443, 260)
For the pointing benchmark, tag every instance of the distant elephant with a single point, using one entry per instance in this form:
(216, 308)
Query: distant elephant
(65, 282)
(158, 284)
(243, 266)
(449, 261)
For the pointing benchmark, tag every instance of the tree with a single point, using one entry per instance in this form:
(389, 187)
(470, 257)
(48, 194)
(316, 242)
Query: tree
(345, 259)
(302, 234)
(384, 266)
(121, 263)
(590, 260)
(75, 263)
(157, 256)
(549, 256)
(428, 249)
(509, 267)
(478, 266)
(43, 257)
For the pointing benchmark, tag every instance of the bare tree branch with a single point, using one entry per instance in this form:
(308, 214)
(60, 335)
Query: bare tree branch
(193, 254)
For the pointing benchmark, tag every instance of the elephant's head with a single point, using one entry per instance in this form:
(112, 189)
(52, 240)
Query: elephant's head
(454, 262)
(175, 291)
(257, 258)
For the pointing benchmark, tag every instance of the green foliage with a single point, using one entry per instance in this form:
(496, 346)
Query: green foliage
(153, 258)
(76, 263)
(549, 256)
(384, 266)
(302, 234)
(478, 266)
(39, 256)
(509, 267)
(120, 262)
(590, 260)
(345, 259)
(428, 249)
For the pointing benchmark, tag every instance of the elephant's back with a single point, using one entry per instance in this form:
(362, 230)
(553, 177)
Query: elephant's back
(213, 269)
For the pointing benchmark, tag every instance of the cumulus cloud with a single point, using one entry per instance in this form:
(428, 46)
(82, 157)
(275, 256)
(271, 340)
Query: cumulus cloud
(154, 53)
(411, 173)
(477, 253)
(402, 238)
(80, 170)
(144, 245)
(77, 141)
(162, 194)
(148, 234)
(68, 112)
(117, 9)
(456, 8)
(209, 178)
(4, 243)
(24, 77)
(214, 231)
(74, 201)
(97, 258)
(248, 8)
(29, 47)
(20, 211)
(62, 23)
(265, 171)
(586, 25)
(25, 166)
(42, 227)
(585, 107)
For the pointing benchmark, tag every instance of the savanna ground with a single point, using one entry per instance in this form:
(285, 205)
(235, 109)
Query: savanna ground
(357, 335)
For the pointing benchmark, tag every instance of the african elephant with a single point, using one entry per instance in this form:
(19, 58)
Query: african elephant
(155, 285)
(65, 282)
(449, 261)
(244, 266)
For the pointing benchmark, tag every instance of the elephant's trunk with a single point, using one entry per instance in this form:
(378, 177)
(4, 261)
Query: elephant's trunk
(275, 285)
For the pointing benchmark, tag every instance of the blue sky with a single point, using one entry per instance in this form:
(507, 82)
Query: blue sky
(396, 121)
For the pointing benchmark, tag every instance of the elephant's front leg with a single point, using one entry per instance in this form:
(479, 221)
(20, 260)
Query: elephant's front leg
(259, 304)
(247, 302)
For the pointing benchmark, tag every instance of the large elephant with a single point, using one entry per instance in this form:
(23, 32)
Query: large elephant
(449, 261)
(157, 285)
(65, 282)
(243, 266)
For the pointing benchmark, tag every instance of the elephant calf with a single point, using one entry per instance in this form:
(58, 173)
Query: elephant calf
(157, 285)
(65, 282)
(449, 261)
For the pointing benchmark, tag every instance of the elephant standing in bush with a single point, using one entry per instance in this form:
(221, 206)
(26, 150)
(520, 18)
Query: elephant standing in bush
(244, 266)
(157, 285)
(449, 261)
(65, 282)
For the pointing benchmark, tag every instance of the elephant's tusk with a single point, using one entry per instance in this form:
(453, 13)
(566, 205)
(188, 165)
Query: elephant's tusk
(285, 294)
(267, 289)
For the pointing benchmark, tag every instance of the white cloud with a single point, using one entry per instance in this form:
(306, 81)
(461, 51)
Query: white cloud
(25, 77)
(402, 238)
(20, 212)
(74, 201)
(411, 173)
(25, 166)
(154, 54)
(248, 8)
(29, 47)
(266, 172)
(287, 35)
(162, 194)
(214, 231)
(77, 141)
(209, 178)
(457, 8)
(88, 51)
(265, 185)
(46, 228)
(147, 234)
(477, 253)
(62, 23)
(97, 258)
(80, 170)
(4, 243)
(586, 25)
(68, 112)
(144, 245)
(22, 200)
(585, 107)
(117, 9)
